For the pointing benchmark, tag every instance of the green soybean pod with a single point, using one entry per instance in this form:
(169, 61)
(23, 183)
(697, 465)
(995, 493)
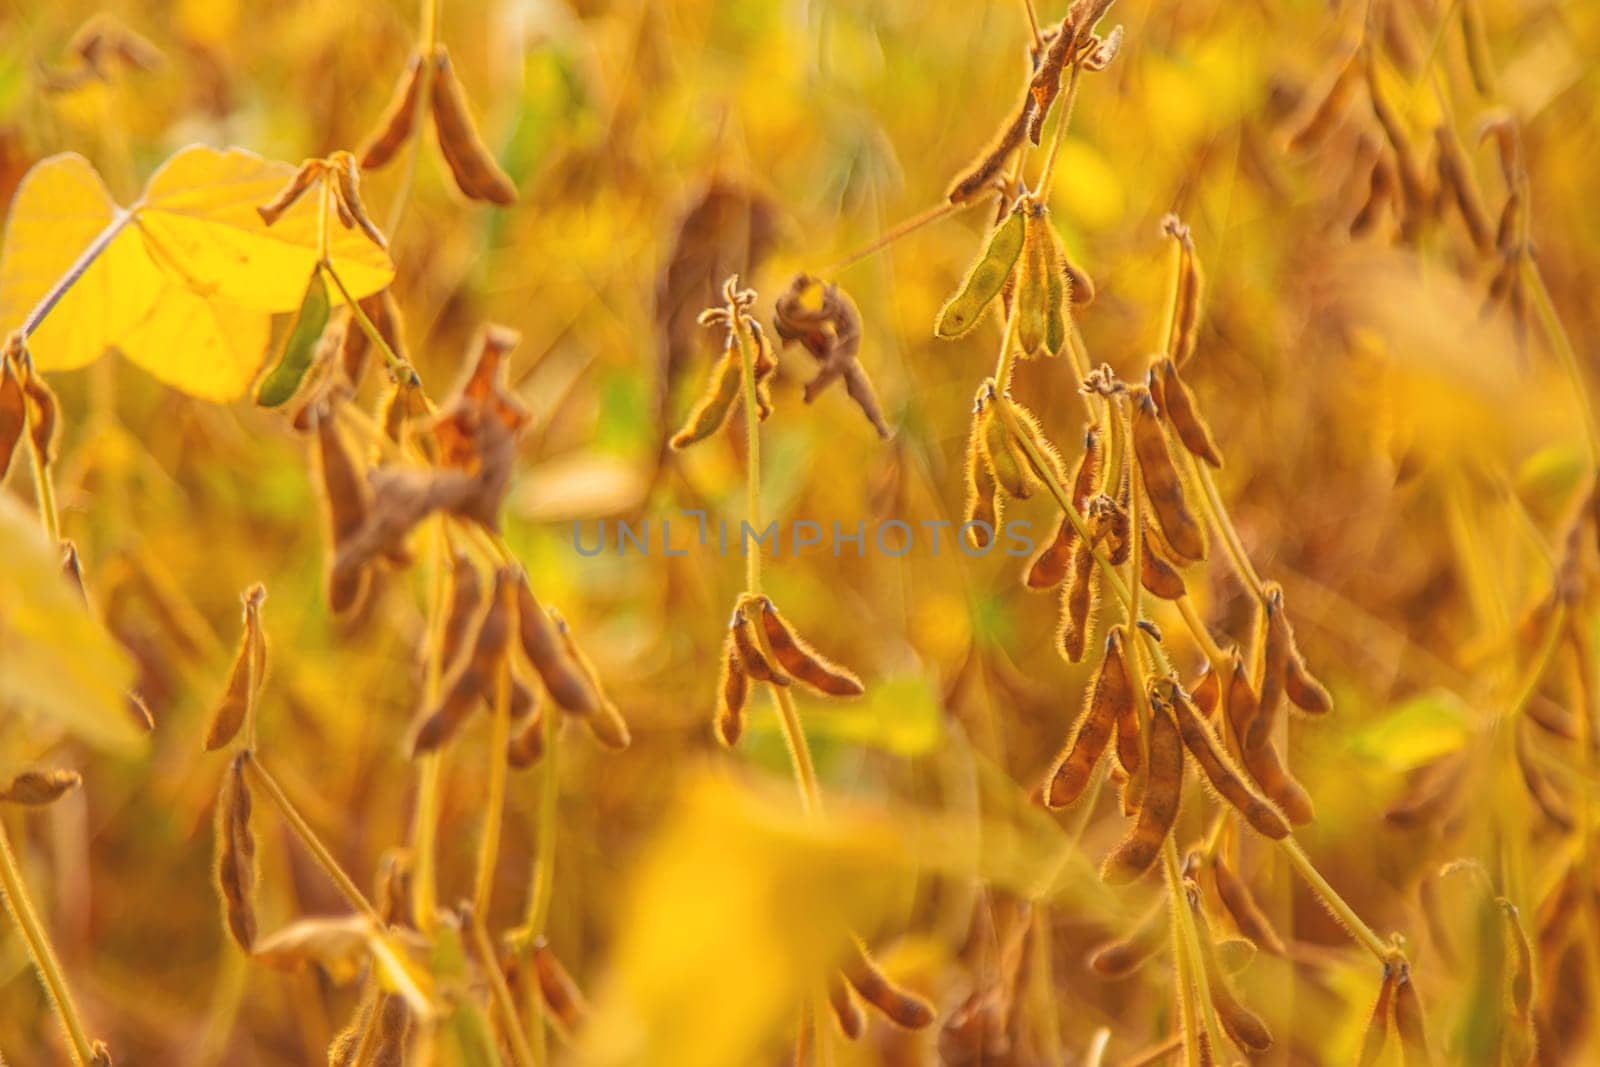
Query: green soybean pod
(984, 281)
(284, 378)
(1057, 295)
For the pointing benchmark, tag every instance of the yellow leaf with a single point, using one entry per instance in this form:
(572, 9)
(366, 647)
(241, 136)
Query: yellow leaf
(60, 207)
(206, 348)
(199, 210)
(57, 663)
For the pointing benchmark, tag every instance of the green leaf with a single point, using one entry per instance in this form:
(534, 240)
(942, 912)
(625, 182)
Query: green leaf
(282, 381)
(1415, 732)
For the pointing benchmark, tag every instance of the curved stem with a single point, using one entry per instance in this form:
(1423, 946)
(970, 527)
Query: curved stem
(893, 234)
(41, 951)
(1217, 512)
(308, 837)
(521, 1051)
(397, 366)
(102, 240)
(1334, 902)
(489, 844)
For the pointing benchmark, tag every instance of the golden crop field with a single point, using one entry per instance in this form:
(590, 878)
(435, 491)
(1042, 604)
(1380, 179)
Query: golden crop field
(839, 532)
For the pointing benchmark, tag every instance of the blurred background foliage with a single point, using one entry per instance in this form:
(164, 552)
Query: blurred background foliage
(1390, 449)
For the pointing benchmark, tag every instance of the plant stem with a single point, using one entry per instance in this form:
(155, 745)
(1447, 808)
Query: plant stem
(44, 489)
(425, 825)
(312, 842)
(428, 42)
(1222, 522)
(398, 368)
(1063, 120)
(1568, 356)
(521, 1052)
(893, 234)
(41, 951)
(499, 737)
(1334, 902)
(79, 267)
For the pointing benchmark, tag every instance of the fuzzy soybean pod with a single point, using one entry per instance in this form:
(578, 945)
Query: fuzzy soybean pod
(1052, 564)
(1179, 406)
(1206, 693)
(1242, 1025)
(245, 677)
(1124, 955)
(236, 854)
(1219, 770)
(1033, 287)
(541, 642)
(472, 165)
(986, 278)
(1077, 603)
(40, 788)
(1408, 1021)
(1158, 807)
(1162, 485)
(13, 413)
(1001, 453)
(1262, 761)
(526, 746)
(852, 1023)
(394, 125)
(1247, 915)
(748, 646)
(1105, 703)
(605, 722)
(556, 987)
(461, 611)
(899, 1006)
(733, 691)
(984, 502)
(1377, 1034)
(711, 410)
(803, 662)
(1188, 290)
(1129, 747)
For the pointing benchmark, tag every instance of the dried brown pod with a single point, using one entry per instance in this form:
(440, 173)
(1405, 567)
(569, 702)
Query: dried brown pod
(1414, 195)
(1046, 83)
(526, 746)
(1247, 915)
(827, 323)
(471, 163)
(245, 677)
(900, 1006)
(1158, 804)
(1077, 603)
(1378, 1024)
(347, 196)
(1187, 293)
(13, 412)
(1162, 486)
(846, 1012)
(38, 788)
(1179, 406)
(1214, 761)
(1326, 105)
(802, 662)
(1103, 707)
(605, 722)
(1381, 190)
(1206, 693)
(711, 410)
(1522, 1039)
(1157, 575)
(1262, 760)
(1052, 564)
(556, 987)
(748, 646)
(1284, 669)
(1457, 181)
(541, 642)
(1129, 747)
(733, 691)
(347, 500)
(985, 505)
(1243, 1026)
(475, 664)
(403, 404)
(302, 180)
(236, 854)
(1121, 957)
(462, 606)
(980, 175)
(1540, 787)
(394, 126)
(1408, 1020)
